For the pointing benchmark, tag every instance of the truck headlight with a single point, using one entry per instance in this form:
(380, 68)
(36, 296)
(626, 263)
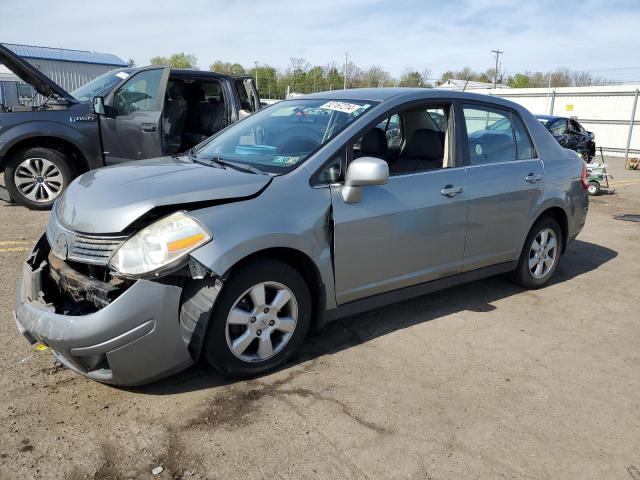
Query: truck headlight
(160, 246)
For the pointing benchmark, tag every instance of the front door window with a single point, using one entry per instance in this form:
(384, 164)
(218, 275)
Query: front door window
(139, 94)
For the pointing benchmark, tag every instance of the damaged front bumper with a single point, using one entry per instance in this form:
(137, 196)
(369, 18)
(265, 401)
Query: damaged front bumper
(133, 339)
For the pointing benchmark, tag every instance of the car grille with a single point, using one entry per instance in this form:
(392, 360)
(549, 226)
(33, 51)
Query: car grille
(79, 247)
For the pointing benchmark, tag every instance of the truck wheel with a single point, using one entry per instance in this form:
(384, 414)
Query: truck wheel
(259, 321)
(593, 188)
(36, 176)
(540, 254)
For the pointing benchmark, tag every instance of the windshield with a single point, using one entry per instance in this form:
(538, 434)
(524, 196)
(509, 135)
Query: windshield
(282, 136)
(100, 85)
(544, 121)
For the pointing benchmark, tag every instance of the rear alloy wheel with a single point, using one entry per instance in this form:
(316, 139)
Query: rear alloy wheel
(540, 254)
(543, 253)
(37, 176)
(259, 320)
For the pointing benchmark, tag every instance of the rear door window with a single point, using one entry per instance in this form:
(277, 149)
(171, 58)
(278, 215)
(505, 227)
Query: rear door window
(490, 135)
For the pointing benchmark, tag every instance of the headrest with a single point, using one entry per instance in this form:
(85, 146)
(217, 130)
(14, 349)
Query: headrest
(196, 94)
(176, 90)
(426, 144)
(374, 142)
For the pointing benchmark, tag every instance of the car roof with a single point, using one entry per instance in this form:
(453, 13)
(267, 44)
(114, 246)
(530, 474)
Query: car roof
(197, 73)
(550, 117)
(385, 93)
(401, 94)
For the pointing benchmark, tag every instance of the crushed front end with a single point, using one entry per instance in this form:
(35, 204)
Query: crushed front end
(111, 329)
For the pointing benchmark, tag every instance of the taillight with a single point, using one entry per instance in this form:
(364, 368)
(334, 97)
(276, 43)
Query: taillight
(583, 177)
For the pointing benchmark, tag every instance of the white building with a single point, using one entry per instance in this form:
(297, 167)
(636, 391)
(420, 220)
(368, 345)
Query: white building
(68, 68)
(456, 84)
(607, 111)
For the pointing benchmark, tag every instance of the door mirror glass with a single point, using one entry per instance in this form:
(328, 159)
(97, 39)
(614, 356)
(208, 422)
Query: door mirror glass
(98, 105)
(362, 172)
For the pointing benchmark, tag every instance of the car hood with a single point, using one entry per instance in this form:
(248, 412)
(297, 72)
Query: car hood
(109, 199)
(31, 75)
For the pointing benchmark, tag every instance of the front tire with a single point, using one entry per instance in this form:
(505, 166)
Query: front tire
(36, 176)
(259, 321)
(540, 254)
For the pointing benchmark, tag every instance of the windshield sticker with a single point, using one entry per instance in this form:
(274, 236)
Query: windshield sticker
(286, 159)
(343, 107)
(122, 75)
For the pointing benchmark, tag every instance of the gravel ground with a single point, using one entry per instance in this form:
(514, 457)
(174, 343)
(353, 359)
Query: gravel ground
(480, 381)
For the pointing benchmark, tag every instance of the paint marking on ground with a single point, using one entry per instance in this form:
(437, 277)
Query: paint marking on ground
(620, 183)
(14, 249)
(16, 242)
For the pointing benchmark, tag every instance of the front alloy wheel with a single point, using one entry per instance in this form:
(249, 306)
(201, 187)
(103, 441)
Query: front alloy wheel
(259, 320)
(38, 179)
(36, 176)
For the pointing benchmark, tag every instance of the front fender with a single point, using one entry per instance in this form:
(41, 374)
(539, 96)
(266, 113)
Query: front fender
(84, 135)
(285, 215)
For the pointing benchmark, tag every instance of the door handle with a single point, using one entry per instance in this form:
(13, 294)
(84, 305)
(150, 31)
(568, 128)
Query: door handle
(533, 178)
(451, 191)
(148, 127)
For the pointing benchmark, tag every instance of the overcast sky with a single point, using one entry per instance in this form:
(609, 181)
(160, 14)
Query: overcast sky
(434, 34)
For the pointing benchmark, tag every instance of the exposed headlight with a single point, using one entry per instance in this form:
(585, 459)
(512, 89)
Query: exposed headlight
(161, 245)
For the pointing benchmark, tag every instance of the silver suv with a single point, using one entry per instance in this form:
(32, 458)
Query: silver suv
(307, 211)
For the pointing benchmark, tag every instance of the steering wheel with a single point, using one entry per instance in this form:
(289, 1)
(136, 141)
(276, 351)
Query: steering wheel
(298, 144)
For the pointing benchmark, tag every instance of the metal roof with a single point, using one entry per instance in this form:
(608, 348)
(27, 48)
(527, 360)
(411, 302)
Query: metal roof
(65, 55)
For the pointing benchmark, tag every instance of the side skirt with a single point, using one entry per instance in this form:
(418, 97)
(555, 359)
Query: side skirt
(382, 299)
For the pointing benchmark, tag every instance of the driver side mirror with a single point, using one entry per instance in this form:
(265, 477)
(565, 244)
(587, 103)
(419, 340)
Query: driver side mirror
(362, 172)
(98, 105)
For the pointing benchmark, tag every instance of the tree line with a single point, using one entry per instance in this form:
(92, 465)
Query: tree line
(301, 76)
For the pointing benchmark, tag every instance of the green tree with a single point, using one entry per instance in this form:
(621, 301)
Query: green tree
(519, 80)
(177, 60)
(375, 76)
(411, 78)
(227, 68)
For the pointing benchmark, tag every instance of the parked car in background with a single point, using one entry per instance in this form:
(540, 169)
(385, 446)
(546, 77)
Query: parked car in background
(125, 114)
(570, 134)
(295, 216)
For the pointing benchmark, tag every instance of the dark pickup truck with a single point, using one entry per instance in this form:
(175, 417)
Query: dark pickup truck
(125, 114)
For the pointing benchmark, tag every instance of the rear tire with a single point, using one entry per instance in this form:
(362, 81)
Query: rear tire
(540, 254)
(262, 304)
(36, 176)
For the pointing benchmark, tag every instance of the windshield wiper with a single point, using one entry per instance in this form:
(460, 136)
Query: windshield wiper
(238, 166)
(220, 163)
(203, 161)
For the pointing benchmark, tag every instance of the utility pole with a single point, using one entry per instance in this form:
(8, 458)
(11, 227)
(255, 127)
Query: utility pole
(346, 57)
(256, 73)
(498, 52)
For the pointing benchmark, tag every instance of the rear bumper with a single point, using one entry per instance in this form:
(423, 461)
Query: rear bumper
(579, 214)
(135, 339)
